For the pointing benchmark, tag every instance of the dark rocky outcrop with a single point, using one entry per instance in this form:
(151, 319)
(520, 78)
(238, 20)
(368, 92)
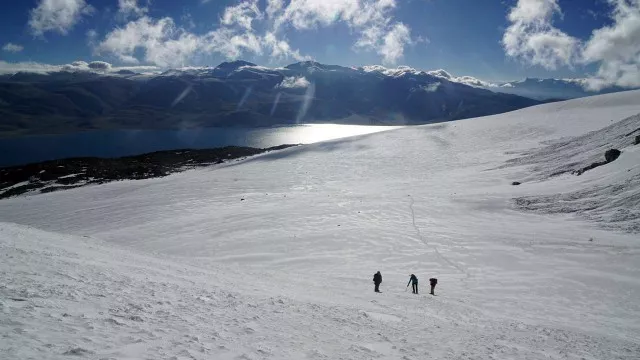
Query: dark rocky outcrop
(637, 142)
(70, 173)
(611, 155)
(515, 183)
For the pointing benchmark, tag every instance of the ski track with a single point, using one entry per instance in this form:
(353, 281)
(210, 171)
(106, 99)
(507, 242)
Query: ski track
(272, 257)
(434, 247)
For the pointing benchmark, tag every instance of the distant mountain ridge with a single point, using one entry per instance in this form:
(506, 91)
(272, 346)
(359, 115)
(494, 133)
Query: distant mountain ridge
(239, 93)
(534, 88)
(543, 89)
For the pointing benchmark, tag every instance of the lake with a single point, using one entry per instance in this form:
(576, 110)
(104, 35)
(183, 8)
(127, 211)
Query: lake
(116, 143)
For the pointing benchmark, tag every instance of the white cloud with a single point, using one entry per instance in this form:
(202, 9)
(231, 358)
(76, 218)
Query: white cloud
(57, 15)
(99, 66)
(160, 41)
(472, 81)
(392, 47)
(467, 80)
(280, 49)
(532, 37)
(163, 43)
(441, 73)
(245, 29)
(370, 20)
(11, 68)
(431, 87)
(616, 48)
(242, 14)
(11, 47)
(273, 7)
(294, 83)
(230, 43)
(130, 8)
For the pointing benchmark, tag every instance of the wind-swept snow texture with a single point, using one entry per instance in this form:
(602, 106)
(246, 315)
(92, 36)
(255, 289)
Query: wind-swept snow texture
(610, 195)
(273, 257)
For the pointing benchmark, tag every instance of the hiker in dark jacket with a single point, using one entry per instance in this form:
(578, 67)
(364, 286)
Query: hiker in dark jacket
(377, 279)
(413, 280)
(433, 282)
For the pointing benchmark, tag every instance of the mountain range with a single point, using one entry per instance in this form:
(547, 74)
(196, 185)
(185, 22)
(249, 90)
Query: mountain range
(243, 94)
(238, 93)
(534, 88)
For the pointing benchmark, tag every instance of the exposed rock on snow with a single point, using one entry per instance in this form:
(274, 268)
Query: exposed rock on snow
(613, 205)
(611, 155)
(66, 174)
(569, 155)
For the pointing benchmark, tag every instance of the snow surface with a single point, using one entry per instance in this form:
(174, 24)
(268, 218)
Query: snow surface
(272, 257)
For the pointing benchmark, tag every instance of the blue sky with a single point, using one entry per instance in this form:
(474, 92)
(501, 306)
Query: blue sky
(547, 38)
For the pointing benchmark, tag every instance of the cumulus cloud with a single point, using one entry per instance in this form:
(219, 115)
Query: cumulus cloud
(280, 49)
(532, 37)
(614, 48)
(231, 44)
(294, 83)
(163, 43)
(393, 44)
(160, 41)
(254, 27)
(131, 8)
(99, 65)
(242, 14)
(57, 15)
(273, 7)
(370, 20)
(11, 47)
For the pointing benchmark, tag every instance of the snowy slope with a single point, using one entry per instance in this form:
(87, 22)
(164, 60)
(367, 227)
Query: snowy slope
(183, 267)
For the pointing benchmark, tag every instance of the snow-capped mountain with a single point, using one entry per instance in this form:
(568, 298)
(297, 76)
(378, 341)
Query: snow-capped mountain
(539, 89)
(272, 257)
(543, 89)
(240, 93)
(467, 80)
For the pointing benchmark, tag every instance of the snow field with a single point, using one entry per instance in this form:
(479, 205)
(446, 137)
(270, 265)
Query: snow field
(286, 272)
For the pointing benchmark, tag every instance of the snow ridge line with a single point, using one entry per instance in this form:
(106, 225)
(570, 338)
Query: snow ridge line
(435, 248)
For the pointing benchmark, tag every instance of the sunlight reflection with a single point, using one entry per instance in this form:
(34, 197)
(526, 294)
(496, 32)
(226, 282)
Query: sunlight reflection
(275, 103)
(244, 97)
(308, 99)
(182, 95)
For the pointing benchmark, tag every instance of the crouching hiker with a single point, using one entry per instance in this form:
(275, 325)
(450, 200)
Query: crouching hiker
(433, 282)
(377, 279)
(413, 280)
